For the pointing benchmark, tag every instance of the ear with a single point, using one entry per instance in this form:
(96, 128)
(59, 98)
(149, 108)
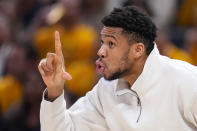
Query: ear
(139, 50)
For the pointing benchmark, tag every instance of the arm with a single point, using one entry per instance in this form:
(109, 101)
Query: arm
(192, 113)
(188, 100)
(86, 114)
(52, 112)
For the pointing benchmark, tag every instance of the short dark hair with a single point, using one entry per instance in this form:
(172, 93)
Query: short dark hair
(135, 22)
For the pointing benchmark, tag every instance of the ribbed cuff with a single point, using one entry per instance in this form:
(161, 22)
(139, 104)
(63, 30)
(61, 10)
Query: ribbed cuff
(50, 108)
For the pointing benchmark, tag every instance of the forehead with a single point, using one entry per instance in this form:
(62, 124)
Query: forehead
(111, 31)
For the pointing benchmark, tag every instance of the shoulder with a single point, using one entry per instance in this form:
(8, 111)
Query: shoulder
(182, 76)
(180, 70)
(181, 80)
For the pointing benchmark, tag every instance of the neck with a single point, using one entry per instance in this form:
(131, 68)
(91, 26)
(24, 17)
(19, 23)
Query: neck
(136, 71)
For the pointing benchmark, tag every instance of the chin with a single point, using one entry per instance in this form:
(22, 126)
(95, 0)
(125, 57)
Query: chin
(113, 76)
(108, 78)
(117, 75)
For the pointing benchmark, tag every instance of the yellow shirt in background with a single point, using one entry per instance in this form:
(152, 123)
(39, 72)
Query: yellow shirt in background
(11, 93)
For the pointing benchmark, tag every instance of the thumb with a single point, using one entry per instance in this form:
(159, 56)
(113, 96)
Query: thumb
(66, 75)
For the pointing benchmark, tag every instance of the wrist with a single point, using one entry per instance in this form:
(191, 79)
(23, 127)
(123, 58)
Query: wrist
(51, 96)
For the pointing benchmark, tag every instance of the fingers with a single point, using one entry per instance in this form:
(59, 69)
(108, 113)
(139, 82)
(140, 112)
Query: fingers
(44, 65)
(66, 76)
(49, 61)
(50, 65)
(43, 68)
(58, 46)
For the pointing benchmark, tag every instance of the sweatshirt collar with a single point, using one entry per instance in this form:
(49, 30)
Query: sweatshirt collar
(147, 78)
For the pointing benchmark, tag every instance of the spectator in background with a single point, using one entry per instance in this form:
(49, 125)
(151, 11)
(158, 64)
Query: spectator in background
(29, 15)
(27, 119)
(163, 12)
(5, 38)
(12, 81)
(94, 10)
(8, 8)
(167, 48)
(187, 19)
(78, 41)
(142, 4)
(2, 124)
(186, 14)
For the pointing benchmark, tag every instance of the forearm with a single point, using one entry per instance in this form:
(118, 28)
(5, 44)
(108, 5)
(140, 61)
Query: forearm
(85, 115)
(54, 116)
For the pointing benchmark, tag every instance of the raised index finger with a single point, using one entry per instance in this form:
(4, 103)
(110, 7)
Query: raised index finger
(58, 46)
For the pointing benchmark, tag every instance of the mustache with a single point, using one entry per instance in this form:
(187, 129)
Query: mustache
(101, 61)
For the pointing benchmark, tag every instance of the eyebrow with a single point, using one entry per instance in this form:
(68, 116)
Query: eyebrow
(110, 36)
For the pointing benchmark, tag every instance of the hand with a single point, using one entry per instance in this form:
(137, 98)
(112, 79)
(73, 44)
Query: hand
(53, 72)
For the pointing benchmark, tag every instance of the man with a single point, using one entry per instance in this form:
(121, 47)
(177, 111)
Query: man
(141, 90)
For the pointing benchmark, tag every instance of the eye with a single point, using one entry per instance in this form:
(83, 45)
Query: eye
(111, 44)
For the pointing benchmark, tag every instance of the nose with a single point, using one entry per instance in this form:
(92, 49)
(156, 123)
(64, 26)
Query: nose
(102, 52)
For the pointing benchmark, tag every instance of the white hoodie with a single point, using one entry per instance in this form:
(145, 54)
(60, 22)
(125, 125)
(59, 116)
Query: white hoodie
(163, 98)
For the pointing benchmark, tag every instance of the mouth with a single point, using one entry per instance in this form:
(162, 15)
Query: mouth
(99, 67)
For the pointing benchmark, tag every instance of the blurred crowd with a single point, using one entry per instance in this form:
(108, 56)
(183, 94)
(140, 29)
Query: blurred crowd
(27, 33)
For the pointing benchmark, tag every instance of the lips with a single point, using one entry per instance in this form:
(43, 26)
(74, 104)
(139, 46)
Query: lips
(99, 66)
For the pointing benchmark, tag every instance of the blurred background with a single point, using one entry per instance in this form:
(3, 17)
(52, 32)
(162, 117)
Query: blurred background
(27, 34)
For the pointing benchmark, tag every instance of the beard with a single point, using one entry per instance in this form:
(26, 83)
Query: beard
(121, 72)
(118, 74)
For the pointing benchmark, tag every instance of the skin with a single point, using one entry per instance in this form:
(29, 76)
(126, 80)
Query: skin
(120, 59)
(53, 71)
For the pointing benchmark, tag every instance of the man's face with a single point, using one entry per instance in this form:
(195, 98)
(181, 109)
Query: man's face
(115, 53)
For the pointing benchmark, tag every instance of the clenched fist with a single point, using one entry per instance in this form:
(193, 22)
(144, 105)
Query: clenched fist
(53, 72)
